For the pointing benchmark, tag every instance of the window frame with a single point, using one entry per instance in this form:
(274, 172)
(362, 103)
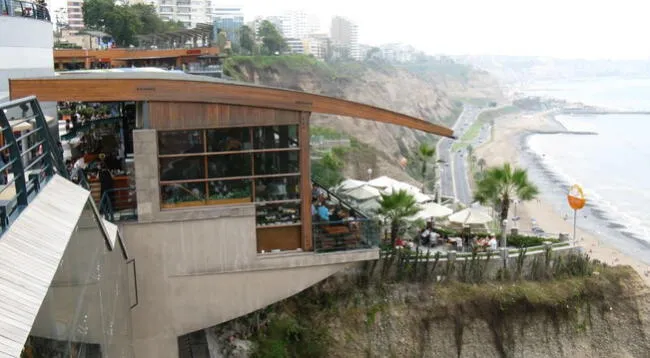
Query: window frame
(207, 179)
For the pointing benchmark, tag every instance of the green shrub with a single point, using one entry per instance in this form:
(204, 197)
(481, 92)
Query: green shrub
(286, 336)
(528, 241)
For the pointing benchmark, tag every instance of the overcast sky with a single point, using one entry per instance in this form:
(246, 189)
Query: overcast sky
(557, 28)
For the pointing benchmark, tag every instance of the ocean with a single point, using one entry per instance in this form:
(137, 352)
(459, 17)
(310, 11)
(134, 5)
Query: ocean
(613, 166)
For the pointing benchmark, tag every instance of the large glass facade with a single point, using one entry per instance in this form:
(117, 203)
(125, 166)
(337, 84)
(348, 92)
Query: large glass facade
(86, 312)
(229, 166)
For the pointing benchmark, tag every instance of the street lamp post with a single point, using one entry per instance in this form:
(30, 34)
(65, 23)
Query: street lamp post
(504, 242)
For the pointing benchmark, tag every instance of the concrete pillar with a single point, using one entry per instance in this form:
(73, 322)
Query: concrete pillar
(451, 256)
(145, 157)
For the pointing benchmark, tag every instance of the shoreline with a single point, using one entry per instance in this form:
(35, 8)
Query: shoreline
(509, 144)
(596, 211)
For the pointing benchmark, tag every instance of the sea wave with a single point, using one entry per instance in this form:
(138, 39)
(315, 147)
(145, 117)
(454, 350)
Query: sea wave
(612, 218)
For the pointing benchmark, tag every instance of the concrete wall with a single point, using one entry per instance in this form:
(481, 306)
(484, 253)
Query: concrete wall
(88, 300)
(25, 51)
(194, 274)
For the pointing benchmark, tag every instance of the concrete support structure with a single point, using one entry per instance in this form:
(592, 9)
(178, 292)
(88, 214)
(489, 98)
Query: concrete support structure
(200, 267)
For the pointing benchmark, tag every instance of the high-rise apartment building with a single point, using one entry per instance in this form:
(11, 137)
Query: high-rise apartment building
(189, 12)
(298, 24)
(228, 19)
(75, 16)
(345, 37)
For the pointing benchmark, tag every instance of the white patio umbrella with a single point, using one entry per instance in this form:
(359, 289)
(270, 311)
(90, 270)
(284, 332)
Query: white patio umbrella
(431, 210)
(348, 184)
(470, 216)
(362, 193)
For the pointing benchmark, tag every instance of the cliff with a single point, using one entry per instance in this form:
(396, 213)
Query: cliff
(565, 307)
(416, 93)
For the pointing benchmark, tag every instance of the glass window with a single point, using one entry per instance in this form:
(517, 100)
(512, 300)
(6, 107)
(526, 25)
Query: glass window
(222, 140)
(274, 189)
(180, 142)
(182, 168)
(275, 137)
(276, 163)
(229, 165)
(186, 194)
(230, 191)
(278, 214)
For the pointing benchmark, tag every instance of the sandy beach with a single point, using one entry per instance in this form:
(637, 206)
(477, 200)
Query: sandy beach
(505, 146)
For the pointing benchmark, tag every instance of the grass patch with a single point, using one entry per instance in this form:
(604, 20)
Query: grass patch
(485, 117)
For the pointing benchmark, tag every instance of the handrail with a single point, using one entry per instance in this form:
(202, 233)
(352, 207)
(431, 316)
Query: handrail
(345, 235)
(113, 201)
(30, 166)
(18, 8)
(341, 201)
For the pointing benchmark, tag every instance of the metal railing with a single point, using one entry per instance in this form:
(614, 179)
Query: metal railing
(193, 67)
(119, 205)
(24, 9)
(345, 235)
(27, 161)
(338, 199)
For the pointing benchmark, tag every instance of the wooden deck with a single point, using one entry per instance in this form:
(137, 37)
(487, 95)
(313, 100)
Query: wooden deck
(30, 252)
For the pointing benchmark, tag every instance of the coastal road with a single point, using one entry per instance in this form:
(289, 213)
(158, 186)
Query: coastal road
(454, 174)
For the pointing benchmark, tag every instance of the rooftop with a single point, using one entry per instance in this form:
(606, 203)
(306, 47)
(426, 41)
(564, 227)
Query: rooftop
(148, 85)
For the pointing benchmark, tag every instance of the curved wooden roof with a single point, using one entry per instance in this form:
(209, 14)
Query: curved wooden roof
(154, 86)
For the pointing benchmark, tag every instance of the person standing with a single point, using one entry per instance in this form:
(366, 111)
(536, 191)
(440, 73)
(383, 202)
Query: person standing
(106, 184)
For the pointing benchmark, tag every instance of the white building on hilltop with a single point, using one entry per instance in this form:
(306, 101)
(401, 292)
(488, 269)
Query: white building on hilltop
(189, 12)
(398, 52)
(345, 37)
(298, 24)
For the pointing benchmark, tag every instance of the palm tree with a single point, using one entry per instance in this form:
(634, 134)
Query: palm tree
(500, 185)
(396, 207)
(425, 152)
(481, 164)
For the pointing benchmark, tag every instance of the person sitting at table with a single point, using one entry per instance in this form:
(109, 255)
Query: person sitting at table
(352, 220)
(425, 237)
(323, 212)
(492, 243)
(336, 214)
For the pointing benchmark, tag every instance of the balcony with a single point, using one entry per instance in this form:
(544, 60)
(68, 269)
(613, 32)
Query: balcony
(24, 9)
(31, 159)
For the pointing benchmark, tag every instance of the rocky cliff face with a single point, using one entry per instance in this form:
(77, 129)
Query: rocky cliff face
(618, 328)
(601, 312)
(380, 85)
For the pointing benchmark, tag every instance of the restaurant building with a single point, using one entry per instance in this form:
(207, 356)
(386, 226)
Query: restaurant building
(217, 215)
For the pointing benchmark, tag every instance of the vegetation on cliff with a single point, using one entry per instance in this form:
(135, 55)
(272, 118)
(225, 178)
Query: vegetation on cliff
(423, 94)
(405, 307)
